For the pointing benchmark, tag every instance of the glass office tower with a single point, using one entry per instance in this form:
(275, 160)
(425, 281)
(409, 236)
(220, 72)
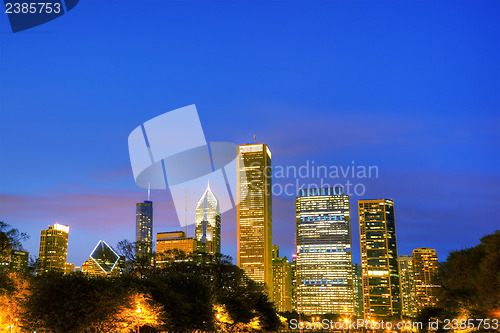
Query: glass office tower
(207, 223)
(144, 227)
(323, 243)
(103, 261)
(425, 266)
(407, 286)
(53, 251)
(379, 254)
(282, 282)
(358, 290)
(255, 213)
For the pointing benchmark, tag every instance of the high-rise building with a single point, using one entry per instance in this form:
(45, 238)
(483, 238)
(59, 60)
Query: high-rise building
(293, 266)
(144, 227)
(357, 285)
(323, 245)
(282, 282)
(407, 286)
(207, 222)
(255, 213)
(103, 261)
(377, 229)
(53, 251)
(69, 268)
(425, 267)
(175, 240)
(14, 261)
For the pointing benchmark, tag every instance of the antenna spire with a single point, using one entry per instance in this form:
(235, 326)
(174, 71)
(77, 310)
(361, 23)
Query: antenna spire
(254, 137)
(149, 191)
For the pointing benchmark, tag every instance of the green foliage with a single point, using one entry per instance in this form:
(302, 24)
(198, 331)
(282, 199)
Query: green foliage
(180, 296)
(71, 303)
(470, 279)
(10, 239)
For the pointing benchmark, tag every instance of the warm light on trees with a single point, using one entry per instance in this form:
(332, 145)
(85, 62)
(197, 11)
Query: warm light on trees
(14, 290)
(139, 312)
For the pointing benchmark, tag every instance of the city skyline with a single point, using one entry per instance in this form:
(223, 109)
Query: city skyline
(378, 84)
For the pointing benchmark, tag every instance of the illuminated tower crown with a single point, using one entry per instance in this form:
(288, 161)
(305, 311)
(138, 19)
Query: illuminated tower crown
(208, 222)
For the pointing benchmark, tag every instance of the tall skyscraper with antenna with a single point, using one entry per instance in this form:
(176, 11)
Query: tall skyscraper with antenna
(144, 226)
(207, 222)
(255, 213)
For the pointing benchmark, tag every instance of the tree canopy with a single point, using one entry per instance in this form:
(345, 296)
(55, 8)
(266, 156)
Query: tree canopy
(470, 279)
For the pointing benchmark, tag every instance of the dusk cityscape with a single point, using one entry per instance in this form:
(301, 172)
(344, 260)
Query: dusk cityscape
(250, 166)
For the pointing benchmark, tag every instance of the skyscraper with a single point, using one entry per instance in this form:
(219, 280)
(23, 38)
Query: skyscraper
(407, 286)
(377, 229)
(103, 261)
(255, 213)
(323, 244)
(53, 250)
(14, 261)
(425, 266)
(207, 223)
(293, 266)
(357, 285)
(282, 282)
(144, 227)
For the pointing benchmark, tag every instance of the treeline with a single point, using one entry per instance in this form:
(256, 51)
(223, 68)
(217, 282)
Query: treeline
(173, 291)
(204, 294)
(470, 283)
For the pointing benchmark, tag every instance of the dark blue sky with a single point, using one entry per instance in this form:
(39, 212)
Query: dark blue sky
(412, 87)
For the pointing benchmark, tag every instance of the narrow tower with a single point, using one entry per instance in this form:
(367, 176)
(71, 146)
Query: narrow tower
(144, 226)
(255, 213)
(207, 222)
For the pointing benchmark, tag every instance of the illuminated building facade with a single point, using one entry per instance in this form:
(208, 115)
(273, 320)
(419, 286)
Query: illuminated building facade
(407, 286)
(282, 282)
(425, 267)
(69, 268)
(255, 213)
(357, 285)
(14, 261)
(144, 227)
(53, 251)
(207, 222)
(377, 229)
(175, 240)
(293, 266)
(103, 261)
(323, 244)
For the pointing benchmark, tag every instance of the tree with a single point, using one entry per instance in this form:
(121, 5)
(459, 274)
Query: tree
(13, 292)
(470, 279)
(139, 311)
(134, 263)
(10, 239)
(72, 303)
